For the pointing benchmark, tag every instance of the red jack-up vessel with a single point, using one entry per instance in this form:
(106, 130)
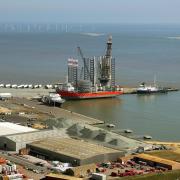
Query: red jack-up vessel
(96, 79)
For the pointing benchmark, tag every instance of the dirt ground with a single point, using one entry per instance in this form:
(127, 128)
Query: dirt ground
(174, 145)
(30, 174)
(42, 111)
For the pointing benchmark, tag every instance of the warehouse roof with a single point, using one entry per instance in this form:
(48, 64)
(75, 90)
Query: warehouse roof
(34, 136)
(7, 128)
(159, 160)
(72, 147)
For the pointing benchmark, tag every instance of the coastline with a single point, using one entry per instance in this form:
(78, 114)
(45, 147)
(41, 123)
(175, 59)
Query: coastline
(23, 102)
(28, 97)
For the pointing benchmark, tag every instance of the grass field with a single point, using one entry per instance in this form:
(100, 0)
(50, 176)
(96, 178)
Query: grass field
(170, 175)
(167, 154)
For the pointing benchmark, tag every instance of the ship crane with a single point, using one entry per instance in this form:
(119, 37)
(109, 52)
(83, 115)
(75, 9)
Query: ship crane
(85, 65)
(81, 73)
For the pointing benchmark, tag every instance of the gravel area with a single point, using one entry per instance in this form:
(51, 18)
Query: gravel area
(95, 134)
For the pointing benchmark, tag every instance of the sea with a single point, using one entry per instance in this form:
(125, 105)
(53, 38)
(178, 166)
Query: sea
(141, 52)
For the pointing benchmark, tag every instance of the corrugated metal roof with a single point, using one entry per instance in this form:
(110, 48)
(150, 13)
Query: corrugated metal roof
(7, 128)
(158, 159)
(35, 135)
(71, 147)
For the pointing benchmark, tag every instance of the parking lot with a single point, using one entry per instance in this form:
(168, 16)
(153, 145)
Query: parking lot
(130, 168)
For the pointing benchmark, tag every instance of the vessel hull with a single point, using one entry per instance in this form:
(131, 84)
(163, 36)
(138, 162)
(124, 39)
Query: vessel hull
(152, 92)
(88, 95)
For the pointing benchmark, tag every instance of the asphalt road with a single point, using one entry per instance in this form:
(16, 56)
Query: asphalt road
(22, 162)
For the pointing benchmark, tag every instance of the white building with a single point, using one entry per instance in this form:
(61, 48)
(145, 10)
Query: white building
(7, 128)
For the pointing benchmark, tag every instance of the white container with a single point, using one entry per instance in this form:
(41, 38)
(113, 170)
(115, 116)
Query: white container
(21, 86)
(36, 86)
(98, 176)
(13, 167)
(1, 85)
(5, 95)
(1, 169)
(14, 86)
(15, 176)
(7, 85)
(30, 86)
(48, 86)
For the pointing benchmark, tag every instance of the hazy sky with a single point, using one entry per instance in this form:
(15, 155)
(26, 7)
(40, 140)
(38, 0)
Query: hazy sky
(91, 11)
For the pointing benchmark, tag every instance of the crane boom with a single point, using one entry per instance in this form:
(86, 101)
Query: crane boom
(84, 61)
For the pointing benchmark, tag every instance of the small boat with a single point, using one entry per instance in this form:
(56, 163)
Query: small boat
(147, 137)
(144, 89)
(53, 99)
(128, 131)
(110, 125)
(151, 89)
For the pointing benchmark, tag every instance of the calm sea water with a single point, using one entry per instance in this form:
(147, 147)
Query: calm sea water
(141, 52)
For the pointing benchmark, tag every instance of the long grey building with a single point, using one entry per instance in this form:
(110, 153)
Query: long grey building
(77, 152)
(15, 142)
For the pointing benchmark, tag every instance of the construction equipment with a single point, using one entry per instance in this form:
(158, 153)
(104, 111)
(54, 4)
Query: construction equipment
(85, 61)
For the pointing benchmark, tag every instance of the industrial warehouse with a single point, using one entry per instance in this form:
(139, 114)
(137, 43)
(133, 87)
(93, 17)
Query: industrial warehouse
(15, 142)
(77, 152)
(157, 161)
(54, 145)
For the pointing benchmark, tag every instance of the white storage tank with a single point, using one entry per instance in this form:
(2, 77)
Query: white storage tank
(84, 86)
